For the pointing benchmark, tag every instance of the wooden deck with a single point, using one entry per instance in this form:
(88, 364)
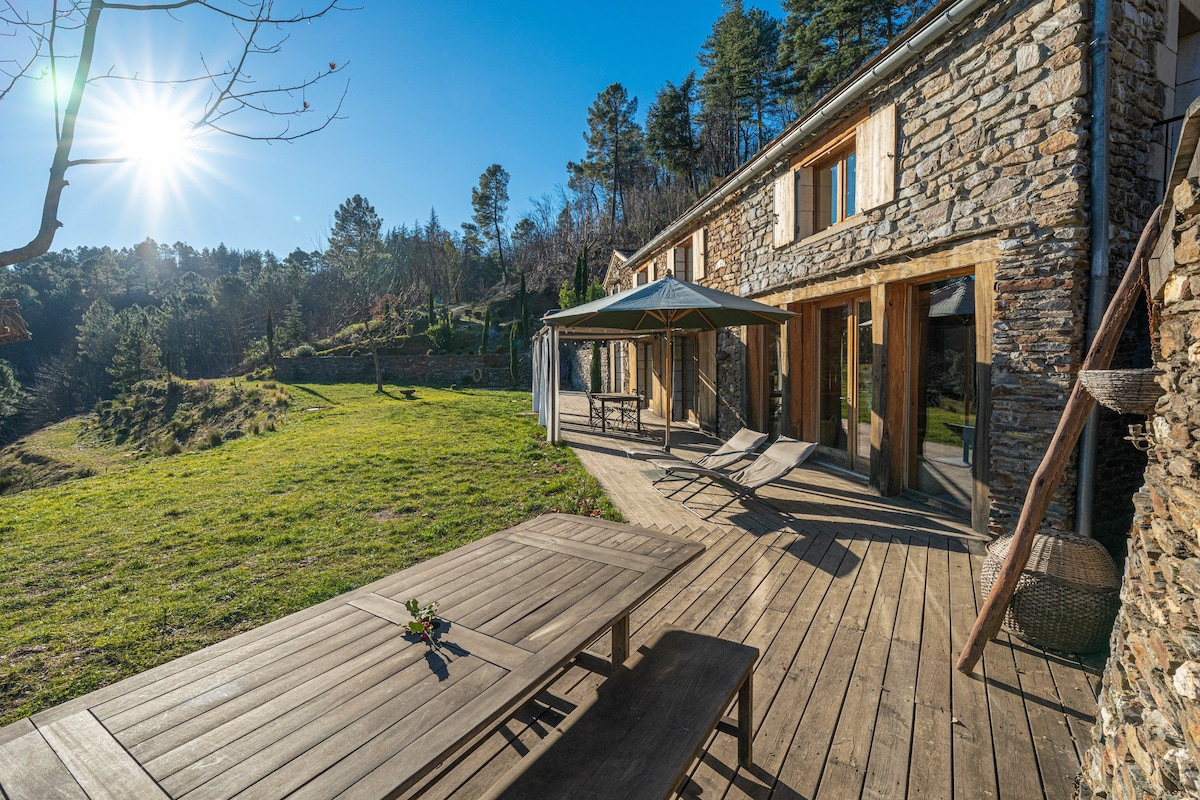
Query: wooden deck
(859, 606)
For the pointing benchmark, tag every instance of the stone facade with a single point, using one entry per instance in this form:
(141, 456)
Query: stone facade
(992, 172)
(1147, 738)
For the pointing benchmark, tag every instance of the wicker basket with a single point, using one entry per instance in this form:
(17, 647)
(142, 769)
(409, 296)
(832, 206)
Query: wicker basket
(1126, 391)
(1067, 596)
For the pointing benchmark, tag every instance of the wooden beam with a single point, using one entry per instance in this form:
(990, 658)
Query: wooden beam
(1050, 471)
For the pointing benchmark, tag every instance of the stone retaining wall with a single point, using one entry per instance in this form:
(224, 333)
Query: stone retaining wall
(1147, 736)
(443, 370)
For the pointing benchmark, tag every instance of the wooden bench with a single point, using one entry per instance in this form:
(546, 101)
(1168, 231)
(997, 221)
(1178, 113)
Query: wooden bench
(648, 723)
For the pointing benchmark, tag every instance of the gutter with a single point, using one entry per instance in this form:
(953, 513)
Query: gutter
(1085, 496)
(884, 66)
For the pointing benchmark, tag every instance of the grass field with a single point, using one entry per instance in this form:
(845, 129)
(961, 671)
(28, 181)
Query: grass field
(107, 576)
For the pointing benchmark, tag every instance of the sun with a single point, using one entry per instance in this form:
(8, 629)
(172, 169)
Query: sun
(155, 137)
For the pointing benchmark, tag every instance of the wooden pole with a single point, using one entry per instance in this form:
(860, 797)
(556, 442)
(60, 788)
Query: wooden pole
(1050, 471)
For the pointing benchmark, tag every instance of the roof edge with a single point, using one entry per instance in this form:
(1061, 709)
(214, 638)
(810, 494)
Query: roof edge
(882, 65)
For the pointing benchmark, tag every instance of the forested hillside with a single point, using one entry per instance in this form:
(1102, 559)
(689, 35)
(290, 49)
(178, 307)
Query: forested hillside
(103, 319)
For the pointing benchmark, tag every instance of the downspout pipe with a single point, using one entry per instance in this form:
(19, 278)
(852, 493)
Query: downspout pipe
(827, 110)
(1085, 496)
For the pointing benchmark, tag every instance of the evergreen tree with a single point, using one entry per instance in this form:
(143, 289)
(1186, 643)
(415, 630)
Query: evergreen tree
(513, 350)
(823, 42)
(595, 377)
(614, 141)
(137, 355)
(490, 203)
(738, 85)
(523, 311)
(671, 141)
(431, 314)
(357, 257)
(270, 340)
(487, 324)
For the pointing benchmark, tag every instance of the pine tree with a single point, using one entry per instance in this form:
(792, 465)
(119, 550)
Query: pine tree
(596, 378)
(614, 151)
(671, 141)
(490, 203)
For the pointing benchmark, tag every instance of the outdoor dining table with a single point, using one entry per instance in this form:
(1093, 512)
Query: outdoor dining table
(337, 699)
(621, 399)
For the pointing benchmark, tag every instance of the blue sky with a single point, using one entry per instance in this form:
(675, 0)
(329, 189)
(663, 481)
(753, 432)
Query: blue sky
(437, 92)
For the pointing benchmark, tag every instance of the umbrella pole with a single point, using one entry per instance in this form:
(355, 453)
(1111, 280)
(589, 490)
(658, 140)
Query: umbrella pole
(670, 368)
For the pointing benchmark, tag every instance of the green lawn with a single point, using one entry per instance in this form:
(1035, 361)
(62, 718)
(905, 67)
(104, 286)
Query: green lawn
(107, 576)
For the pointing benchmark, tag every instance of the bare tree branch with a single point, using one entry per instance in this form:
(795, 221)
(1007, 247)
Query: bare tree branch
(234, 90)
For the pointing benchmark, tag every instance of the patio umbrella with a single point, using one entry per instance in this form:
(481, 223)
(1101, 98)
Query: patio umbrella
(667, 305)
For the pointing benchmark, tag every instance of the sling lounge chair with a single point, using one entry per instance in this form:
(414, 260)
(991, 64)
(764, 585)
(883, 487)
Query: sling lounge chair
(740, 445)
(776, 461)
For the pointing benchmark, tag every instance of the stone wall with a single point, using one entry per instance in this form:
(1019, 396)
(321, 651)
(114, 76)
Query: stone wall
(575, 362)
(444, 370)
(993, 148)
(1147, 737)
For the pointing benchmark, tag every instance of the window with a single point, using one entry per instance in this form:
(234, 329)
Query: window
(642, 278)
(850, 171)
(834, 186)
(682, 261)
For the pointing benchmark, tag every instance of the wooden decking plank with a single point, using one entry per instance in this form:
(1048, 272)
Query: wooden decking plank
(272, 679)
(263, 704)
(1012, 743)
(1077, 693)
(1057, 760)
(820, 606)
(806, 757)
(930, 762)
(29, 769)
(846, 763)
(887, 766)
(97, 761)
(973, 753)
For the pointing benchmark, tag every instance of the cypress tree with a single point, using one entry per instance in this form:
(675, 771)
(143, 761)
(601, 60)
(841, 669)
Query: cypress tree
(512, 353)
(487, 323)
(523, 306)
(432, 318)
(270, 340)
(595, 376)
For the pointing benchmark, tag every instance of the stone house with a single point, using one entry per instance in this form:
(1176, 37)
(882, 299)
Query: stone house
(936, 222)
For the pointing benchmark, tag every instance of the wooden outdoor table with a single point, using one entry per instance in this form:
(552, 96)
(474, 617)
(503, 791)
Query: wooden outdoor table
(336, 700)
(621, 399)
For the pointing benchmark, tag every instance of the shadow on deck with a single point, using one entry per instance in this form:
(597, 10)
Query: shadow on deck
(859, 606)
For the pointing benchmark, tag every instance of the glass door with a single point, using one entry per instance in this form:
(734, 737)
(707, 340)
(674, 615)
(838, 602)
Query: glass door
(845, 382)
(944, 392)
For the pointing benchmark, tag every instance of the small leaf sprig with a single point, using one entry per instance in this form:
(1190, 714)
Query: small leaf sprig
(423, 620)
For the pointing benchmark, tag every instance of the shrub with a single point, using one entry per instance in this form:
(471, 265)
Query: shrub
(304, 351)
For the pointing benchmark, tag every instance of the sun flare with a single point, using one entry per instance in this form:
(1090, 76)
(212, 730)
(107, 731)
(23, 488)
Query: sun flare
(154, 136)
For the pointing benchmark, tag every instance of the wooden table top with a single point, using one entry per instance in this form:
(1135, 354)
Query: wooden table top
(336, 700)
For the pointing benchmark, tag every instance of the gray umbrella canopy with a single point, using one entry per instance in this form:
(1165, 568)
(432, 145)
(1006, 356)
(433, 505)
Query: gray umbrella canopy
(668, 304)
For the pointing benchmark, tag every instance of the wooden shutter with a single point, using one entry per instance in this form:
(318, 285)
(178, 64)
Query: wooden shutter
(650, 271)
(805, 201)
(785, 209)
(699, 256)
(875, 149)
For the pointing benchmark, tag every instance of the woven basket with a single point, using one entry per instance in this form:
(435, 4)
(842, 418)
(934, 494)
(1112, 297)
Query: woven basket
(1067, 596)
(1126, 391)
